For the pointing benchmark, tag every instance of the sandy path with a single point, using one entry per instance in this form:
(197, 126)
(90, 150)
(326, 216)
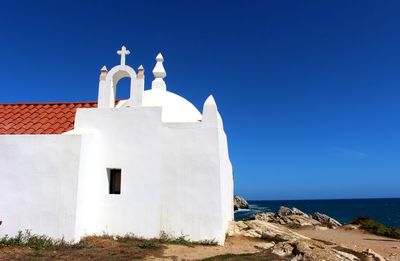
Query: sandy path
(233, 245)
(357, 240)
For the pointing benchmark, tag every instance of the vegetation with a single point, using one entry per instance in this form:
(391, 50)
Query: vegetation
(28, 246)
(38, 242)
(377, 228)
(147, 244)
(182, 240)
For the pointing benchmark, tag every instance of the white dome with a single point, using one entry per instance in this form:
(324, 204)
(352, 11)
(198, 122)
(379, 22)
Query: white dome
(174, 107)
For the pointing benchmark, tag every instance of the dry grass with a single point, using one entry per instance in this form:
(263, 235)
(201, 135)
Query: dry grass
(26, 246)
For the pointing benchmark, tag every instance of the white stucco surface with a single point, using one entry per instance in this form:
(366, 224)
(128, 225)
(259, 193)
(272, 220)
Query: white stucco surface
(171, 175)
(174, 107)
(39, 176)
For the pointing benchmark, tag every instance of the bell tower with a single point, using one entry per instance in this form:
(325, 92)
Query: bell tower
(109, 81)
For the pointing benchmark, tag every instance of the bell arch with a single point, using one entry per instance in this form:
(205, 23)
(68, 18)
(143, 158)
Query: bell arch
(109, 81)
(115, 75)
(108, 90)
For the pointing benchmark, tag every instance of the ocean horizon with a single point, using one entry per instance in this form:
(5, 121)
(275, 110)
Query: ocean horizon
(383, 210)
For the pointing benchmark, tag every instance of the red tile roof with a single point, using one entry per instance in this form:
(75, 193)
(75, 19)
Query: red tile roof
(39, 118)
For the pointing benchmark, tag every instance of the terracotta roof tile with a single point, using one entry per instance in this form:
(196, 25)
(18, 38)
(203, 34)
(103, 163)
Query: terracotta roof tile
(39, 118)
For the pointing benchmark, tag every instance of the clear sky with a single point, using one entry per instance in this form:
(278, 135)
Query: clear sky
(309, 90)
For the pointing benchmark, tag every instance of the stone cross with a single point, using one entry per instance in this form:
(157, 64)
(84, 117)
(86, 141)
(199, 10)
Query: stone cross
(123, 52)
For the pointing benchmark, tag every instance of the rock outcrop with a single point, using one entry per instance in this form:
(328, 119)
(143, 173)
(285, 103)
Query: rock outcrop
(373, 256)
(326, 220)
(279, 239)
(261, 229)
(240, 203)
(289, 220)
(294, 217)
(284, 242)
(285, 211)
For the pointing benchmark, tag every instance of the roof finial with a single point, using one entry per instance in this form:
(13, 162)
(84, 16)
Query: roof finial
(159, 74)
(123, 52)
(103, 73)
(159, 71)
(140, 74)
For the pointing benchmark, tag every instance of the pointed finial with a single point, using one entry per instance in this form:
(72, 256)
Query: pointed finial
(123, 52)
(140, 74)
(210, 101)
(159, 74)
(210, 112)
(159, 58)
(103, 73)
(159, 71)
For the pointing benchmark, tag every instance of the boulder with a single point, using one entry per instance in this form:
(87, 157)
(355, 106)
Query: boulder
(266, 216)
(262, 229)
(240, 203)
(373, 255)
(295, 218)
(326, 220)
(299, 221)
(314, 250)
(283, 249)
(284, 211)
(297, 211)
(286, 216)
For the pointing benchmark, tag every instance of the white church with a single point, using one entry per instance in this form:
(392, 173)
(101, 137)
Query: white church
(147, 165)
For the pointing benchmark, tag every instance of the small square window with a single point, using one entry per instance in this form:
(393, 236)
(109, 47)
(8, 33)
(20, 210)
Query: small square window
(114, 180)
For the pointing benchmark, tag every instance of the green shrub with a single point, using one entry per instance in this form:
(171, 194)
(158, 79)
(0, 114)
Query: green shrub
(377, 228)
(146, 245)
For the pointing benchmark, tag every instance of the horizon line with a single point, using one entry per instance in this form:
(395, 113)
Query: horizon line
(321, 199)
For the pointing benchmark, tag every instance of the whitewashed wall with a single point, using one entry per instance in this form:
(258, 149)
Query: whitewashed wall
(38, 180)
(176, 177)
(191, 199)
(126, 138)
(171, 175)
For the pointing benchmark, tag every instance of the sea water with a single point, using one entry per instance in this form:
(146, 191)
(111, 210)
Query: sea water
(385, 211)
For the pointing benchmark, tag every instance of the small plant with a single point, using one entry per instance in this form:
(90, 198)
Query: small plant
(211, 242)
(83, 243)
(146, 245)
(166, 238)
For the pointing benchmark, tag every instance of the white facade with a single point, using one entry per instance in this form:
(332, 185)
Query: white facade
(176, 176)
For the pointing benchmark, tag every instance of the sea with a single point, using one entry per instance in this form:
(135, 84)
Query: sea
(383, 210)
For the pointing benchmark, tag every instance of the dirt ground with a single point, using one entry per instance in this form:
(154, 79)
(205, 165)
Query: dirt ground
(357, 240)
(107, 248)
(100, 248)
(233, 245)
(235, 248)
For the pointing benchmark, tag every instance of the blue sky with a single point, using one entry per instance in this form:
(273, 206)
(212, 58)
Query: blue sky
(309, 90)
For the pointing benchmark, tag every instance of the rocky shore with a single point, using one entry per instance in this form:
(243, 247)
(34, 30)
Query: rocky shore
(282, 235)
